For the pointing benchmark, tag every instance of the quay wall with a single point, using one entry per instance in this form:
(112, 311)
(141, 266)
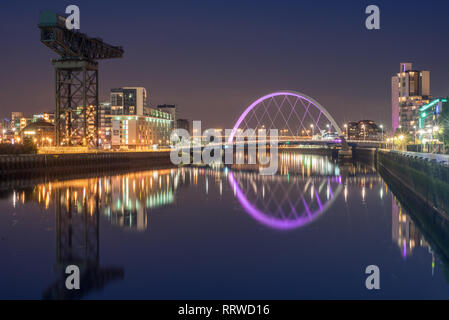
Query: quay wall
(79, 162)
(426, 178)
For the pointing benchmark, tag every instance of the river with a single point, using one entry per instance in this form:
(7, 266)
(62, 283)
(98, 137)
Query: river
(307, 232)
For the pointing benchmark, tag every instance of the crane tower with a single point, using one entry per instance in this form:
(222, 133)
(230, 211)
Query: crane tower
(76, 79)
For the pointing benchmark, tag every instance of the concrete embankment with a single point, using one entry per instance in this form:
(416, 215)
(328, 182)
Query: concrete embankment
(414, 181)
(423, 176)
(78, 162)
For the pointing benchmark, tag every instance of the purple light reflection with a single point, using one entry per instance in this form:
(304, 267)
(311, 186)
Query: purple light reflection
(273, 222)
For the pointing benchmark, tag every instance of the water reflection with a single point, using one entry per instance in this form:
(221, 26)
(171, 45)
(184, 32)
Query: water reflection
(122, 199)
(303, 189)
(306, 188)
(77, 243)
(416, 225)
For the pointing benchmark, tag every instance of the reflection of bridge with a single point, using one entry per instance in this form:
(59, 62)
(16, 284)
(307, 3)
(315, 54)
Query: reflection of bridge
(288, 209)
(304, 188)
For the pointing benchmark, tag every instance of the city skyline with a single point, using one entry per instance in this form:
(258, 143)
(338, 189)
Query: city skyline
(221, 152)
(201, 63)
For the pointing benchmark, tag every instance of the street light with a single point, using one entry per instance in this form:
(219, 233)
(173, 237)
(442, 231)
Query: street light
(346, 129)
(382, 128)
(313, 130)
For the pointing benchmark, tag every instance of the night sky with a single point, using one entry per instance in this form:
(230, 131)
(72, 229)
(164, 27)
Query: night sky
(213, 58)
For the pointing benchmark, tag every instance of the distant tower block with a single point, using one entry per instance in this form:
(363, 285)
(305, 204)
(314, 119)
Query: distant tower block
(76, 79)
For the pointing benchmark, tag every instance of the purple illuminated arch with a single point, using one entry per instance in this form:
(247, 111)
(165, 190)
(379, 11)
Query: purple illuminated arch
(283, 93)
(280, 224)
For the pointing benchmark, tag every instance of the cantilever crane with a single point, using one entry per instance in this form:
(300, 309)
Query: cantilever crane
(76, 79)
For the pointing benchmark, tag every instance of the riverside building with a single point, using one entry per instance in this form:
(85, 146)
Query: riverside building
(410, 91)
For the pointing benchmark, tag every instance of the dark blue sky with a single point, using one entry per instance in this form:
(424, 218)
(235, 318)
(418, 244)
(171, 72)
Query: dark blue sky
(213, 58)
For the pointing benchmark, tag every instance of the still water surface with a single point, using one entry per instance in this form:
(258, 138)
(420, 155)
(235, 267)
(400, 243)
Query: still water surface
(208, 233)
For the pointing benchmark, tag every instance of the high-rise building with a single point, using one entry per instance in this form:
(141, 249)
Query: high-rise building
(128, 101)
(410, 91)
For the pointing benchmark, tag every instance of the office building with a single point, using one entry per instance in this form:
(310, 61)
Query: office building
(410, 91)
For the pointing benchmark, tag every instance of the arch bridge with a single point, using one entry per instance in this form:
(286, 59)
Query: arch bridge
(298, 118)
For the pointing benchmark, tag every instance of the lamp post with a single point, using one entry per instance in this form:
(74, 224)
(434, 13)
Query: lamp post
(313, 130)
(346, 129)
(382, 128)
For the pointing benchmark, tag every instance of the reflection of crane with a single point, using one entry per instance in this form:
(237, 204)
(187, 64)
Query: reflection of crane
(77, 242)
(76, 79)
